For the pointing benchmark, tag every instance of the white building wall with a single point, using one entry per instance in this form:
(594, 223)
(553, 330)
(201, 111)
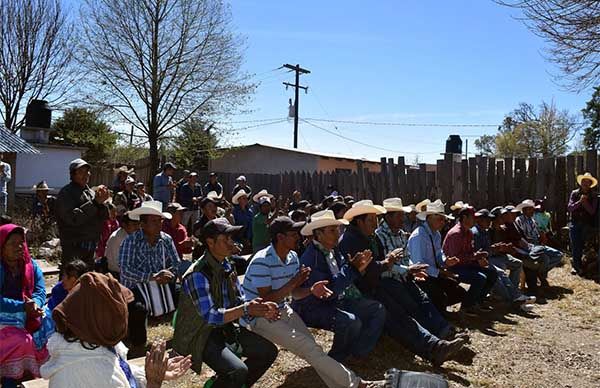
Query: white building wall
(52, 165)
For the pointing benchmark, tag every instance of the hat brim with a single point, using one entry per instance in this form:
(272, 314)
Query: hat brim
(231, 229)
(591, 178)
(363, 209)
(309, 228)
(135, 215)
(522, 206)
(423, 215)
(236, 198)
(391, 209)
(258, 196)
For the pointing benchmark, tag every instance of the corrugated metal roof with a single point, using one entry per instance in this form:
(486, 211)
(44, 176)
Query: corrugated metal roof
(10, 142)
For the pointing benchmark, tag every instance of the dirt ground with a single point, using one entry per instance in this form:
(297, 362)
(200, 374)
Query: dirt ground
(558, 346)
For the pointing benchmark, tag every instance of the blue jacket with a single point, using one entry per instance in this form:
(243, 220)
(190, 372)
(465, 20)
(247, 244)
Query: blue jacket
(12, 312)
(315, 312)
(58, 295)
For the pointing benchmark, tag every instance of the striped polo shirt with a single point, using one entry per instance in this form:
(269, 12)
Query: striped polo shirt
(266, 269)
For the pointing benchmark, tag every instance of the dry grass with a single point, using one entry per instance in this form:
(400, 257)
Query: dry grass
(555, 347)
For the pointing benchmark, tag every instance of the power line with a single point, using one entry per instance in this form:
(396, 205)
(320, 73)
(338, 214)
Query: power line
(399, 124)
(364, 144)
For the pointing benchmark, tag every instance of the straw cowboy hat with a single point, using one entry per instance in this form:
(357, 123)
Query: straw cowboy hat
(395, 205)
(41, 186)
(213, 195)
(363, 207)
(459, 205)
(525, 204)
(436, 207)
(260, 194)
(149, 208)
(236, 198)
(320, 220)
(124, 169)
(422, 204)
(588, 176)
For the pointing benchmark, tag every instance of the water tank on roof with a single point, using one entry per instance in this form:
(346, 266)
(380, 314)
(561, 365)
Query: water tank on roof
(38, 114)
(454, 145)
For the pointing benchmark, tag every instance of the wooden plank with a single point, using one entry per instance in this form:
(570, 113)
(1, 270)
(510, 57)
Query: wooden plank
(401, 173)
(457, 181)
(591, 162)
(411, 183)
(491, 183)
(541, 179)
(422, 180)
(508, 181)
(385, 178)
(550, 189)
(464, 171)
(531, 177)
(520, 176)
(500, 198)
(482, 172)
(361, 180)
(393, 178)
(561, 192)
(471, 196)
(571, 173)
(579, 168)
(448, 178)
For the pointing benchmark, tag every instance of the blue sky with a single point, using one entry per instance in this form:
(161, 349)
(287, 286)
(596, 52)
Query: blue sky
(456, 62)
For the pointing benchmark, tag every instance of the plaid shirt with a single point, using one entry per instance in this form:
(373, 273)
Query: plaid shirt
(197, 287)
(528, 229)
(391, 241)
(139, 260)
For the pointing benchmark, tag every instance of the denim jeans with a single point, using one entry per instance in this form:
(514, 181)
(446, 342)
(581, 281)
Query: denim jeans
(417, 304)
(232, 372)
(504, 287)
(401, 326)
(552, 258)
(577, 234)
(510, 263)
(358, 326)
(3, 202)
(480, 281)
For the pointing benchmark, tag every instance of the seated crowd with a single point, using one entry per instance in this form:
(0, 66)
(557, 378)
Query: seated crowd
(355, 268)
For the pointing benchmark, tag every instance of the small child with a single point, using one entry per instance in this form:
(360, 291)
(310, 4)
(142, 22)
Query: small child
(70, 274)
(109, 226)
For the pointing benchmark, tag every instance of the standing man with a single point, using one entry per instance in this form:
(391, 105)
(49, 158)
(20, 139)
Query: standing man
(241, 185)
(212, 302)
(261, 221)
(43, 204)
(127, 199)
(80, 214)
(583, 206)
(5, 177)
(163, 185)
(213, 185)
(275, 275)
(190, 195)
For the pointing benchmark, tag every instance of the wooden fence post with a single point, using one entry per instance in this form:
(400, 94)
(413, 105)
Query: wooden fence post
(491, 183)
(500, 198)
(561, 191)
(508, 180)
(591, 162)
(532, 172)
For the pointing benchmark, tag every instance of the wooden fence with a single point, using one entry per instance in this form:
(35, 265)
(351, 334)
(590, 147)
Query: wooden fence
(480, 181)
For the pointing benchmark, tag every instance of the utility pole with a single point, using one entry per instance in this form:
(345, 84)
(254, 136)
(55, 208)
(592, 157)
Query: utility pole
(297, 87)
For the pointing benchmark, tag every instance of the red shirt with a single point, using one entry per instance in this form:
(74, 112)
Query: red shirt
(108, 227)
(179, 235)
(459, 243)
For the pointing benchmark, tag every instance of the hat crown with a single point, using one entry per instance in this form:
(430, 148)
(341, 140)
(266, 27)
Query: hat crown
(392, 202)
(437, 206)
(154, 205)
(322, 215)
(364, 202)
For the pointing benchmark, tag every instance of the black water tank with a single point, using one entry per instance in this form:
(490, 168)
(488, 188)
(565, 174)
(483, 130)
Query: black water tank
(38, 114)
(454, 145)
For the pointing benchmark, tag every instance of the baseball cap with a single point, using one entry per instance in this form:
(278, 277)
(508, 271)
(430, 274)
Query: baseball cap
(484, 213)
(78, 163)
(173, 207)
(283, 224)
(219, 226)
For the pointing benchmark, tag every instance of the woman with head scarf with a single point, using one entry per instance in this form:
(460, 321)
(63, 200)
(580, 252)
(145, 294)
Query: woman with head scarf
(86, 350)
(24, 323)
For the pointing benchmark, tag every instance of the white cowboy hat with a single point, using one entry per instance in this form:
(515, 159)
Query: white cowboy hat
(524, 204)
(458, 205)
(436, 207)
(588, 176)
(150, 208)
(262, 193)
(236, 198)
(320, 220)
(213, 195)
(123, 169)
(395, 205)
(363, 207)
(422, 204)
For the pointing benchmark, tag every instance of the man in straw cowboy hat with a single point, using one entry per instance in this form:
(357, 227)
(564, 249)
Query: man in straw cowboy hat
(275, 274)
(472, 267)
(425, 247)
(528, 228)
(212, 302)
(126, 199)
(400, 325)
(357, 322)
(583, 207)
(43, 204)
(243, 216)
(262, 219)
(147, 254)
(80, 214)
(241, 184)
(407, 275)
(119, 182)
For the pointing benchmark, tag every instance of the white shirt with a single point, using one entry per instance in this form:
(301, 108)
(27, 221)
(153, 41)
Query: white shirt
(112, 249)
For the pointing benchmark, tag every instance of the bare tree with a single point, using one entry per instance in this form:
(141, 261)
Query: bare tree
(572, 27)
(157, 63)
(34, 56)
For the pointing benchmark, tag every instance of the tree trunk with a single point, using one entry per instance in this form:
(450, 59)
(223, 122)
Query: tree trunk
(153, 140)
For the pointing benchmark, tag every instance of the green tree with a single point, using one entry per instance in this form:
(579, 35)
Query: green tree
(83, 127)
(530, 132)
(591, 112)
(195, 144)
